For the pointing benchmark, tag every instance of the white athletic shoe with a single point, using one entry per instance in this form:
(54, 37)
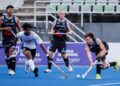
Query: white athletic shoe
(11, 72)
(70, 69)
(48, 71)
(27, 68)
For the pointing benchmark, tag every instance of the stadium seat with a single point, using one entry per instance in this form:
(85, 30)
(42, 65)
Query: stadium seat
(55, 2)
(86, 8)
(62, 7)
(109, 9)
(101, 2)
(90, 2)
(118, 9)
(97, 9)
(78, 2)
(113, 2)
(66, 2)
(51, 8)
(74, 9)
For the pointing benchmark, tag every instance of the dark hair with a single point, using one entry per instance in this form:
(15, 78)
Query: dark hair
(89, 35)
(9, 6)
(26, 25)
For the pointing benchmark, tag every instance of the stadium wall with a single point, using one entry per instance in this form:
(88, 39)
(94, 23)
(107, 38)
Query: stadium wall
(75, 51)
(109, 32)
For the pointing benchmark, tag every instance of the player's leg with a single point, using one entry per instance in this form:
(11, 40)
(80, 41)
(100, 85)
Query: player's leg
(30, 61)
(101, 65)
(104, 65)
(113, 64)
(66, 60)
(9, 50)
(50, 58)
(11, 59)
(27, 67)
(98, 70)
(62, 50)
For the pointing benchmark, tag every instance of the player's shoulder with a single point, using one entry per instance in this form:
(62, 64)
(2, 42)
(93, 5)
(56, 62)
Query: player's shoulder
(33, 32)
(98, 40)
(21, 33)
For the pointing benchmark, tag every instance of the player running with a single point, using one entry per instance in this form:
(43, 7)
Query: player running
(59, 30)
(100, 48)
(9, 23)
(29, 40)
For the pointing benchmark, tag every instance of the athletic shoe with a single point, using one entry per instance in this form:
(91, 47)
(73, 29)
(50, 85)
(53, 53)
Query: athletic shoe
(70, 69)
(27, 68)
(36, 72)
(116, 66)
(98, 76)
(11, 72)
(48, 71)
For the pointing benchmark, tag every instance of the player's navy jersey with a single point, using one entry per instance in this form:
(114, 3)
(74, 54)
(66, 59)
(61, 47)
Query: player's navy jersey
(29, 41)
(61, 27)
(8, 22)
(96, 48)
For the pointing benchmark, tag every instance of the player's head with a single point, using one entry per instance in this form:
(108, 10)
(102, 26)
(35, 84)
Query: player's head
(27, 28)
(89, 38)
(10, 10)
(61, 14)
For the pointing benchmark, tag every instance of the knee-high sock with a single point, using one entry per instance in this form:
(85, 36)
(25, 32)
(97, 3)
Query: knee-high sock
(98, 69)
(49, 63)
(11, 63)
(112, 63)
(31, 64)
(8, 63)
(66, 60)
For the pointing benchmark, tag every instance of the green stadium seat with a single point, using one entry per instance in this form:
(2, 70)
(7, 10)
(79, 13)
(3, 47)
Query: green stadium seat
(113, 2)
(101, 2)
(62, 7)
(51, 8)
(117, 8)
(78, 2)
(86, 8)
(55, 2)
(74, 9)
(97, 9)
(90, 2)
(109, 9)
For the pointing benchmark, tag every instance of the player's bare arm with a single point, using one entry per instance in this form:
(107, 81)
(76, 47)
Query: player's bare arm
(43, 48)
(5, 28)
(69, 29)
(89, 55)
(52, 29)
(19, 24)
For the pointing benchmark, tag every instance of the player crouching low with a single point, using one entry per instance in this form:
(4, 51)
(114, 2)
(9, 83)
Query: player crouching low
(100, 48)
(28, 40)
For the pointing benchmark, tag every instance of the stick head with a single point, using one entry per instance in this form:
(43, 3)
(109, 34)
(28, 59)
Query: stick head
(83, 76)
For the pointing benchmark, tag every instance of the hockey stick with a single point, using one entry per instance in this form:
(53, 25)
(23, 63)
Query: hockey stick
(89, 69)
